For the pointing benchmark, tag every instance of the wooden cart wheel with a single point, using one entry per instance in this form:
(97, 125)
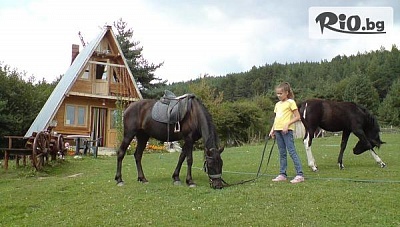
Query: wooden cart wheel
(41, 147)
(60, 146)
(53, 148)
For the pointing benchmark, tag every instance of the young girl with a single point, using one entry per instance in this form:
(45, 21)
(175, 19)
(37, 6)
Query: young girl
(286, 114)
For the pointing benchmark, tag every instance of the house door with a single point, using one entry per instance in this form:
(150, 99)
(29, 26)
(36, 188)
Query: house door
(112, 140)
(99, 124)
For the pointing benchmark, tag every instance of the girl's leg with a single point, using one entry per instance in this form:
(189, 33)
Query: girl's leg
(289, 141)
(282, 152)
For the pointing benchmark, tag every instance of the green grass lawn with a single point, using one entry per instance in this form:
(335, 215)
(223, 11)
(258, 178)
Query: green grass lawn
(82, 192)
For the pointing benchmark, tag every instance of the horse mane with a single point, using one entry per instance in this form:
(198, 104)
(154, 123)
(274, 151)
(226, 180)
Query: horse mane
(370, 119)
(212, 140)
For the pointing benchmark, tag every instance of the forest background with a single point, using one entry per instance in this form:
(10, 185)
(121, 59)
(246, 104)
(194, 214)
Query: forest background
(241, 103)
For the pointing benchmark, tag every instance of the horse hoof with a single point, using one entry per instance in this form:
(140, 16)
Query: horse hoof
(192, 185)
(143, 180)
(120, 184)
(177, 183)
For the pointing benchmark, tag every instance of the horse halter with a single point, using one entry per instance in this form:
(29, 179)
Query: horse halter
(212, 177)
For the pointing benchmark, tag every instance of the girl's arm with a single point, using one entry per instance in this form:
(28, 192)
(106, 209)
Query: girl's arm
(296, 116)
(293, 120)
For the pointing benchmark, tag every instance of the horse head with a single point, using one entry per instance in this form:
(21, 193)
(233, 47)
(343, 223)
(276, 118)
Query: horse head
(213, 167)
(372, 132)
(362, 146)
(375, 139)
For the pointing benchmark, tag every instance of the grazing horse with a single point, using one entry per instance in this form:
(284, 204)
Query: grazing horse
(340, 116)
(196, 123)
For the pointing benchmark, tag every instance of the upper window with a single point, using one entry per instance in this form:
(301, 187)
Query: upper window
(101, 72)
(104, 47)
(85, 74)
(75, 115)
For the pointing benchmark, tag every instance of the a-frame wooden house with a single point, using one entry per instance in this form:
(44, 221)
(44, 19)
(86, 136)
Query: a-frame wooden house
(84, 101)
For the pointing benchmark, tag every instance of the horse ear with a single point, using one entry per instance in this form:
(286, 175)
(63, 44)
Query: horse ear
(221, 150)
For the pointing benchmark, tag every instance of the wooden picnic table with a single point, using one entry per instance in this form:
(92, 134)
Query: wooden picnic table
(79, 139)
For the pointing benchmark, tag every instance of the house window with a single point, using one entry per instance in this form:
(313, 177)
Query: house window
(75, 115)
(104, 47)
(101, 72)
(85, 74)
(81, 115)
(116, 118)
(69, 115)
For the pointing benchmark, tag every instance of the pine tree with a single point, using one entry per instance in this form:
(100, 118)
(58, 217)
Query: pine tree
(389, 110)
(142, 70)
(360, 90)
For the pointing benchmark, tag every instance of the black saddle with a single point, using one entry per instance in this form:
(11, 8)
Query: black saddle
(171, 109)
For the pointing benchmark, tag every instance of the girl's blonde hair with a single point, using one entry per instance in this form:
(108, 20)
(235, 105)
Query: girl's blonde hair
(285, 86)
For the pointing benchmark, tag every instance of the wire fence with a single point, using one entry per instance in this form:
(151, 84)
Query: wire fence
(384, 130)
(390, 130)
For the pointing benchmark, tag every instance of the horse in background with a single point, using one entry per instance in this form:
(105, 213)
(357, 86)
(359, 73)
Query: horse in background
(347, 117)
(140, 120)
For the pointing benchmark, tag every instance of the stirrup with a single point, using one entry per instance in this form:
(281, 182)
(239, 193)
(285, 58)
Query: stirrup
(177, 127)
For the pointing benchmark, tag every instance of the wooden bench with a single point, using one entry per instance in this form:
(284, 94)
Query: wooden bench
(17, 152)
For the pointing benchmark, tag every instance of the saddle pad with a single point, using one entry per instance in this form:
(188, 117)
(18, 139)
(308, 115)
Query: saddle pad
(160, 113)
(172, 112)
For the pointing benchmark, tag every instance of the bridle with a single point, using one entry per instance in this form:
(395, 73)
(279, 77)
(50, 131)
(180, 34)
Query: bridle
(213, 177)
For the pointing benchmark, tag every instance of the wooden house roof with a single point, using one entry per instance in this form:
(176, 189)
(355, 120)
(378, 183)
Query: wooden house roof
(63, 87)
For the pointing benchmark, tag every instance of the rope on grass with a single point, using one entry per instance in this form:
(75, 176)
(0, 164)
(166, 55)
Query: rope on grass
(320, 178)
(354, 180)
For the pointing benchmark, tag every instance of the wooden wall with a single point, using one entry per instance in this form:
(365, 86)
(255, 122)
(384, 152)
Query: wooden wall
(124, 88)
(82, 101)
(83, 86)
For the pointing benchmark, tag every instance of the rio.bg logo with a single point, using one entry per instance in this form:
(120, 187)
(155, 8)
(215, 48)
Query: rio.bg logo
(349, 22)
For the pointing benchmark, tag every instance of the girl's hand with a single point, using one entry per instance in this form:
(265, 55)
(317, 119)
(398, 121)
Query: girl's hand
(285, 129)
(272, 134)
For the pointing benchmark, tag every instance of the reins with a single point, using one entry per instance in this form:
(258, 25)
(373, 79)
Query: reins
(259, 167)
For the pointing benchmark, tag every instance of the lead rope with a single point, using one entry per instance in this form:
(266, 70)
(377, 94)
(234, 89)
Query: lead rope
(259, 167)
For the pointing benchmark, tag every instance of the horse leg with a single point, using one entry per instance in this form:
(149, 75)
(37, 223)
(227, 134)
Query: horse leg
(307, 144)
(175, 175)
(140, 146)
(343, 144)
(378, 159)
(364, 145)
(187, 152)
(120, 156)
(189, 160)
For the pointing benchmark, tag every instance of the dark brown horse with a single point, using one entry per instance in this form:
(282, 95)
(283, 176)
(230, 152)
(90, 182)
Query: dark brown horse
(196, 124)
(347, 117)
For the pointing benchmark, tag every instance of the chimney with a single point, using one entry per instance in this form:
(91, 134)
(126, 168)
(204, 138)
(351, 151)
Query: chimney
(75, 52)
